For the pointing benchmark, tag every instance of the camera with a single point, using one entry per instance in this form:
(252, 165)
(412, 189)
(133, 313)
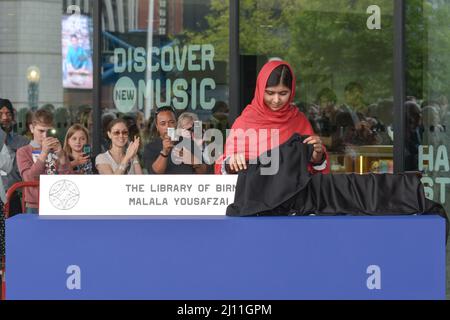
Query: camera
(174, 137)
(172, 134)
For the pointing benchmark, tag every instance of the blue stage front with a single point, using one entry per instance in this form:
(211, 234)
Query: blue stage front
(224, 258)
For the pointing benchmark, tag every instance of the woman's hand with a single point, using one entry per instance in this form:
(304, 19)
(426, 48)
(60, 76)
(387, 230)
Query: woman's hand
(318, 152)
(237, 162)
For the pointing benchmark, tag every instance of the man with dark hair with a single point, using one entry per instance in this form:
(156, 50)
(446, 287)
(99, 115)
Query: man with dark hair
(13, 142)
(158, 154)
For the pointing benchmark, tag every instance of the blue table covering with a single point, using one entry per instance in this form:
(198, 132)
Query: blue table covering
(190, 258)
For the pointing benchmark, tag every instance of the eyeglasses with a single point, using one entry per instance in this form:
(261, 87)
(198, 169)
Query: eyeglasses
(117, 133)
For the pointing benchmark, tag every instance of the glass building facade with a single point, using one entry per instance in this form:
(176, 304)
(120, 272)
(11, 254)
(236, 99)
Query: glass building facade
(373, 76)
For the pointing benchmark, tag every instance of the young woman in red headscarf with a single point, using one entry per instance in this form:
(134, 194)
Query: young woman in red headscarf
(294, 193)
(271, 109)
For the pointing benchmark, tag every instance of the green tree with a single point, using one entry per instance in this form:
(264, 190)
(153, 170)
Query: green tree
(327, 42)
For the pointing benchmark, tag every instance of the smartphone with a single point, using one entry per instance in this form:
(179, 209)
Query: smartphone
(51, 133)
(198, 129)
(87, 150)
(171, 132)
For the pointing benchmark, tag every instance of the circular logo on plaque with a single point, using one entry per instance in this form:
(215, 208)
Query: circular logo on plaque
(64, 195)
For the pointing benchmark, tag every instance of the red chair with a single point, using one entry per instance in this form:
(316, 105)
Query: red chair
(6, 208)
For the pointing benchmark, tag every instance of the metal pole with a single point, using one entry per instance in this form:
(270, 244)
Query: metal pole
(148, 79)
(97, 64)
(235, 79)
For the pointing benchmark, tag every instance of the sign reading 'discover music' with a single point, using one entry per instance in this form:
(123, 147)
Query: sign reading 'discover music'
(139, 195)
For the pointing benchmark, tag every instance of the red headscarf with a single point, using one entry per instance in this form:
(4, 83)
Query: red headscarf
(287, 120)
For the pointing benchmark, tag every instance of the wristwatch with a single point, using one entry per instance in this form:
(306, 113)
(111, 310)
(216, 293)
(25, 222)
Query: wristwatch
(163, 155)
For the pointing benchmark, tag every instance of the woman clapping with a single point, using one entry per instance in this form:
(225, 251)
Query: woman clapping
(122, 157)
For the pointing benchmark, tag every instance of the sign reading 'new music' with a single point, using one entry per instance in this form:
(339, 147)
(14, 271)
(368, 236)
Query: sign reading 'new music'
(150, 195)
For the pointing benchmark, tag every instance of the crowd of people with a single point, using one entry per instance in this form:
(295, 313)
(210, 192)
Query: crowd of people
(356, 122)
(132, 145)
(352, 123)
(129, 146)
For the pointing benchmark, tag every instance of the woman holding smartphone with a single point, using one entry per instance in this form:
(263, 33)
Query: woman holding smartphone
(77, 148)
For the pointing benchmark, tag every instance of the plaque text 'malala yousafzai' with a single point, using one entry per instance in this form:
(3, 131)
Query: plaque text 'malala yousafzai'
(179, 194)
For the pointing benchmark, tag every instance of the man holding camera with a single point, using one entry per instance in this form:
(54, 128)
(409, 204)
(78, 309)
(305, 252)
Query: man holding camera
(158, 155)
(44, 155)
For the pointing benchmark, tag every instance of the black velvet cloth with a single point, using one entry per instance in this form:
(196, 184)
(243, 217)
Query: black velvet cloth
(294, 191)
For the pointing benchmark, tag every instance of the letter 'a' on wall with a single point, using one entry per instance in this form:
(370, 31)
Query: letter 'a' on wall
(374, 20)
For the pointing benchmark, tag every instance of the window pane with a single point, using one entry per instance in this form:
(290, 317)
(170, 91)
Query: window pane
(35, 39)
(428, 89)
(342, 54)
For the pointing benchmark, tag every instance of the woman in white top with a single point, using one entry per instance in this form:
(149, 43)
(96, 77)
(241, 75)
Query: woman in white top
(122, 157)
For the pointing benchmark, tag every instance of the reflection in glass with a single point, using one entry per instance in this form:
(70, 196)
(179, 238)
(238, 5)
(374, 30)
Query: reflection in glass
(164, 53)
(342, 53)
(428, 89)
